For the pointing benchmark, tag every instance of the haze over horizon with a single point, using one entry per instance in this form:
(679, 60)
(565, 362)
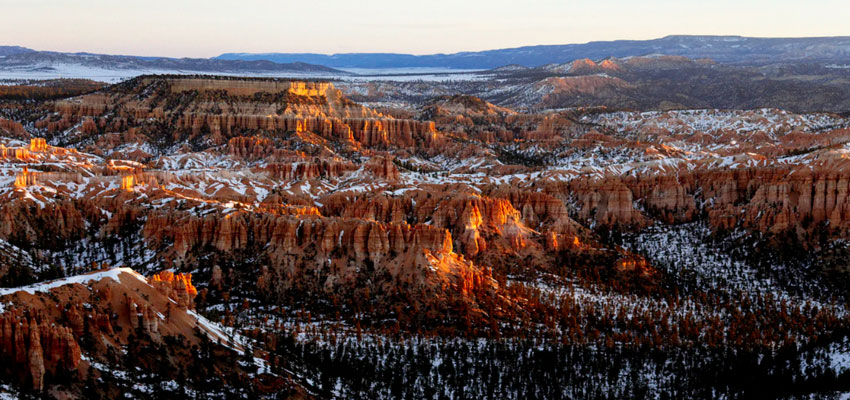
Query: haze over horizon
(206, 29)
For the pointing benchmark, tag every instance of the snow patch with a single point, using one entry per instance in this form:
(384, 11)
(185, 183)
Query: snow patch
(44, 287)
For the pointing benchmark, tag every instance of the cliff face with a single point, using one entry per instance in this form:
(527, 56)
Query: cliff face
(769, 199)
(335, 248)
(606, 201)
(246, 88)
(778, 200)
(506, 222)
(209, 112)
(368, 132)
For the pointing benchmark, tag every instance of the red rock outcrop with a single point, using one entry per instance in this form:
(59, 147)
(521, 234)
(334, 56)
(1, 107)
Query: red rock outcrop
(13, 128)
(418, 255)
(308, 169)
(605, 201)
(770, 199)
(45, 332)
(38, 145)
(143, 318)
(383, 167)
(25, 179)
(67, 221)
(177, 287)
(579, 85)
(476, 222)
(42, 348)
(251, 148)
(254, 106)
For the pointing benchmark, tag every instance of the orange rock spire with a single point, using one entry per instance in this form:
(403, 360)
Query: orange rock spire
(176, 286)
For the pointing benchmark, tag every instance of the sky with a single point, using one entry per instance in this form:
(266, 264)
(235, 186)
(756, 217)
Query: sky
(206, 28)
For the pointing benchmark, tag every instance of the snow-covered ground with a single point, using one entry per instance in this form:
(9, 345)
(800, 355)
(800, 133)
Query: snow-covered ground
(44, 287)
(118, 75)
(56, 71)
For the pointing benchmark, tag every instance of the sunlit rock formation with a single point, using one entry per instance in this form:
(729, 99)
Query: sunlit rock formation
(178, 287)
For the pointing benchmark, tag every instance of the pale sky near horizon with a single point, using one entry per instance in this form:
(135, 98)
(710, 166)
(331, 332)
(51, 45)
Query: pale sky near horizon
(205, 28)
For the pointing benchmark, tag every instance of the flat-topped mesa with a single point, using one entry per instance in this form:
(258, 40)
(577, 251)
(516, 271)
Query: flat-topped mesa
(367, 131)
(178, 287)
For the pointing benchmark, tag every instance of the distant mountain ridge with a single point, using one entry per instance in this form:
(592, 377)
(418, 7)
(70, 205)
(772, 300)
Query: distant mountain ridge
(12, 50)
(22, 59)
(723, 49)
